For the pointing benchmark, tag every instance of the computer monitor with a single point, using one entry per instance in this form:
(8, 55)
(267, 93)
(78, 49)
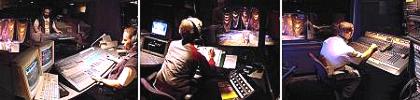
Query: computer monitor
(28, 73)
(159, 27)
(7, 29)
(46, 51)
(21, 30)
(155, 46)
(240, 27)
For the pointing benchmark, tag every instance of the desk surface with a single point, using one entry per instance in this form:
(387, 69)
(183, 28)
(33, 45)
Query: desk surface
(149, 59)
(72, 93)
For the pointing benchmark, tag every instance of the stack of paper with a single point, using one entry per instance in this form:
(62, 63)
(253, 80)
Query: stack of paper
(218, 57)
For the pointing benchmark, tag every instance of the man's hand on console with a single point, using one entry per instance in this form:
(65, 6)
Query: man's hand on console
(97, 78)
(59, 32)
(112, 58)
(373, 47)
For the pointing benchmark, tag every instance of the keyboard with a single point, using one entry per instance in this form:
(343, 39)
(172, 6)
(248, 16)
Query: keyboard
(79, 68)
(393, 59)
(56, 36)
(50, 88)
(241, 86)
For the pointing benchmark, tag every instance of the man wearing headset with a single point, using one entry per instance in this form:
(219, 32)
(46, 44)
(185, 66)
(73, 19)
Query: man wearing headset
(123, 74)
(176, 77)
(337, 54)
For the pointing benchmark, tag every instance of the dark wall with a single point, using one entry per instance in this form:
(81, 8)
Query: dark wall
(321, 12)
(297, 55)
(167, 10)
(105, 17)
(382, 16)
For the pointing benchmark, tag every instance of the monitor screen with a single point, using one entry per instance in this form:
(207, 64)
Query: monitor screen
(241, 27)
(32, 73)
(293, 26)
(7, 29)
(155, 46)
(47, 56)
(28, 73)
(159, 27)
(21, 30)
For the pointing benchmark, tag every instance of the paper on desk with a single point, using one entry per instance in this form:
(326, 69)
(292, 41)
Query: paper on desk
(230, 61)
(218, 57)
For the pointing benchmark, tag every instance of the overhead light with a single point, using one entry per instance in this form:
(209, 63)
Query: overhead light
(71, 4)
(133, 2)
(31, 2)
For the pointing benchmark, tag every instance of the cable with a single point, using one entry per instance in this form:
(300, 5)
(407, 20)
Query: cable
(409, 83)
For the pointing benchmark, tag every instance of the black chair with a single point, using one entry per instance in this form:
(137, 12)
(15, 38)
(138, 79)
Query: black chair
(322, 75)
(154, 94)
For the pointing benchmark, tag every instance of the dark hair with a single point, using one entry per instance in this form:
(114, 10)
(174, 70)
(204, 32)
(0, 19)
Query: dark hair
(46, 7)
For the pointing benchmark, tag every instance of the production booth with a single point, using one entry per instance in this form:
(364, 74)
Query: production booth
(244, 37)
(385, 31)
(66, 49)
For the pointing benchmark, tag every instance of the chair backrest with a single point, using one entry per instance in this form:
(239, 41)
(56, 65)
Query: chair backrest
(319, 68)
(157, 94)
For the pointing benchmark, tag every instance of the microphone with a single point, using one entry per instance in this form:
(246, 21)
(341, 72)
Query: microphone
(103, 35)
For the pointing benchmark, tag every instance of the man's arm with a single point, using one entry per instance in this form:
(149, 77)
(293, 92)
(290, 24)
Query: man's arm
(356, 57)
(369, 51)
(126, 77)
(55, 28)
(208, 68)
(108, 82)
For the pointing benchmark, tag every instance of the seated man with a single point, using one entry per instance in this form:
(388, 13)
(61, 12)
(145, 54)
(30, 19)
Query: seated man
(44, 25)
(123, 74)
(338, 54)
(176, 77)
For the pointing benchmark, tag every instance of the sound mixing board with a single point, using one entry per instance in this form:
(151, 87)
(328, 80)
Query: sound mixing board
(241, 85)
(417, 59)
(79, 68)
(56, 36)
(392, 54)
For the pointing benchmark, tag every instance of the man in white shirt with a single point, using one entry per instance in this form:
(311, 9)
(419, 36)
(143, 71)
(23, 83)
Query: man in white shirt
(337, 54)
(44, 24)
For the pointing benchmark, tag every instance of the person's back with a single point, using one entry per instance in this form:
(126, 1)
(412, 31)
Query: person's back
(335, 50)
(178, 69)
(177, 75)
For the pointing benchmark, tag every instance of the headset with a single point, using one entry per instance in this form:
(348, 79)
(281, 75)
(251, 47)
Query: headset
(196, 34)
(134, 39)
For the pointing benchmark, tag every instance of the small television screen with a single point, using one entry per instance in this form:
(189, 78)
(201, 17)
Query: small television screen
(241, 27)
(159, 27)
(32, 73)
(7, 29)
(21, 30)
(293, 26)
(47, 56)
